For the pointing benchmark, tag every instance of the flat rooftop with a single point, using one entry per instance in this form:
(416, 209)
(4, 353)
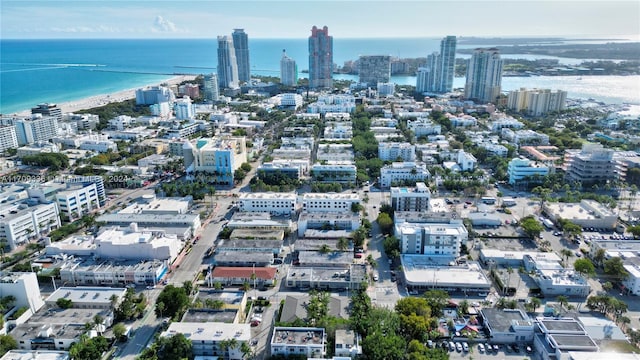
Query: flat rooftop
(242, 256)
(268, 196)
(502, 320)
(261, 234)
(210, 331)
(330, 196)
(573, 341)
(563, 277)
(36, 355)
(96, 295)
(426, 216)
(228, 297)
(297, 336)
(422, 270)
(518, 255)
(253, 244)
(148, 218)
(316, 244)
(226, 316)
(311, 258)
(328, 216)
(561, 325)
(353, 273)
(326, 235)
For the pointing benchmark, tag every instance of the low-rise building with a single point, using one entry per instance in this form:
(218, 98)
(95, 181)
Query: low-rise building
(524, 171)
(466, 161)
(437, 239)
(36, 355)
(334, 171)
(586, 213)
(78, 200)
(329, 202)
(273, 203)
(424, 127)
(402, 173)
(411, 199)
(565, 282)
(347, 344)
(524, 137)
(37, 148)
(392, 151)
(423, 273)
(258, 220)
(22, 221)
(349, 276)
(83, 297)
(209, 339)
(310, 342)
(343, 219)
(555, 337)
(507, 326)
(24, 288)
(235, 276)
(89, 271)
(275, 169)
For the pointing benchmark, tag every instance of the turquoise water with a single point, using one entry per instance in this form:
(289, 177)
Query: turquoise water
(34, 71)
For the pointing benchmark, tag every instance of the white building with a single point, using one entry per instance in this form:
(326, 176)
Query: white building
(207, 339)
(495, 149)
(36, 355)
(462, 120)
(334, 171)
(127, 243)
(154, 95)
(431, 238)
(121, 122)
(98, 143)
(184, 109)
(333, 103)
(399, 172)
(20, 222)
(524, 170)
(347, 344)
(8, 138)
(391, 151)
(424, 127)
(586, 213)
(466, 161)
(333, 220)
(37, 148)
(386, 88)
(292, 171)
(113, 272)
(78, 200)
(524, 137)
(35, 128)
(220, 156)
(332, 202)
(274, 203)
(162, 109)
(291, 100)
(300, 341)
(411, 199)
(288, 70)
(507, 122)
(24, 288)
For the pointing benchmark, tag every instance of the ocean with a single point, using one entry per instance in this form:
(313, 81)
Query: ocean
(35, 71)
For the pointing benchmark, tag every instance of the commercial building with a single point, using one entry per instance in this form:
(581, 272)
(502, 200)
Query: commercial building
(84, 297)
(334, 171)
(36, 128)
(342, 219)
(8, 138)
(273, 203)
(227, 64)
(423, 273)
(411, 199)
(78, 200)
(121, 243)
(230, 276)
(211, 87)
(241, 47)
(309, 342)
(87, 271)
(24, 288)
(37, 148)
(291, 100)
(594, 164)
(291, 171)
(437, 239)
(320, 58)
(402, 173)
(329, 202)
(171, 223)
(220, 156)
(22, 221)
(374, 69)
(565, 282)
(536, 102)
(524, 137)
(507, 326)
(209, 339)
(392, 151)
(484, 75)
(36, 355)
(343, 276)
(288, 70)
(258, 220)
(524, 171)
(555, 337)
(154, 95)
(586, 213)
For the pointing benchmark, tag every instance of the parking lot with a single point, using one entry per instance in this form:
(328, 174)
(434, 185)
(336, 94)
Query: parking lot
(477, 351)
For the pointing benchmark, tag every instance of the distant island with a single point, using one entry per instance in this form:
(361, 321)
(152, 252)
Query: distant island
(610, 51)
(495, 41)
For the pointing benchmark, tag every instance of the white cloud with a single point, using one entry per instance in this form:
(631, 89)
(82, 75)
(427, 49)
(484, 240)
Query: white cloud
(163, 25)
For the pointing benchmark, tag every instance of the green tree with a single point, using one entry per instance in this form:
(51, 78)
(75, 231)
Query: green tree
(174, 299)
(584, 266)
(563, 301)
(634, 230)
(566, 254)
(88, 349)
(614, 267)
(533, 304)
(343, 244)
(324, 249)
(118, 331)
(437, 300)
(175, 347)
(7, 342)
(531, 226)
(385, 222)
(64, 303)
(188, 287)
(381, 346)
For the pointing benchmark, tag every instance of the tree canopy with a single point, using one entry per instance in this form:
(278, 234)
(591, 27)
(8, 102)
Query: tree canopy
(174, 300)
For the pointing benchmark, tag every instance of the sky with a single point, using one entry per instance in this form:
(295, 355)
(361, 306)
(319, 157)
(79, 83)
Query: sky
(24, 19)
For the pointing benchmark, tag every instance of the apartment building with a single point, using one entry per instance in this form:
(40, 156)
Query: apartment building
(536, 102)
(8, 138)
(392, 151)
(411, 199)
(590, 165)
(332, 202)
(310, 342)
(22, 221)
(219, 156)
(431, 238)
(209, 339)
(522, 171)
(402, 172)
(273, 203)
(334, 171)
(78, 200)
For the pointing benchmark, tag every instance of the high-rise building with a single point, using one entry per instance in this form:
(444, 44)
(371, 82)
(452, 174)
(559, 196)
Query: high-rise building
(241, 46)
(536, 102)
(484, 75)
(320, 58)
(47, 109)
(446, 64)
(374, 69)
(8, 138)
(154, 95)
(288, 70)
(35, 129)
(426, 79)
(211, 90)
(227, 64)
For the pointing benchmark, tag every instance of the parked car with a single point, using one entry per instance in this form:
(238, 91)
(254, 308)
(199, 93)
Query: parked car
(496, 347)
(458, 347)
(488, 347)
(430, 344)
(452, 346)
(481, 347)
(465, 346)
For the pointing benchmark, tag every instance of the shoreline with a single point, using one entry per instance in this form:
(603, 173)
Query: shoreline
(104, 99)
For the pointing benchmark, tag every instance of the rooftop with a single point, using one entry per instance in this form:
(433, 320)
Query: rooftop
(268, 196)
(86, 294)
(298, 336)
(565, 325)
(423, 270)
(265, 273)
(210, 331)
(226, 316)
(36, 355)
(502, 320)
(330, 196)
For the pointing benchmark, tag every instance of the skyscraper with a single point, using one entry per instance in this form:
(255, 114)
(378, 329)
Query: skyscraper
(426, 80)
(288, 70)
(484, 75)
(227, 65)
(374, 69)
(211, 90)
(241, 46)
(320, 58)
(447, 64)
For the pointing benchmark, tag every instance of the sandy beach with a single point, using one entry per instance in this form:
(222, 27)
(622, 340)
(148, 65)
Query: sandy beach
(100, 100)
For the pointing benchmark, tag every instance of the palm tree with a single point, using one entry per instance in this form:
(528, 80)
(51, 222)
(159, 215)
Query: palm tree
(509, 272)
(563, 301)
(324, 249)
(245, 349)
(342, 244)
(566, 254)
